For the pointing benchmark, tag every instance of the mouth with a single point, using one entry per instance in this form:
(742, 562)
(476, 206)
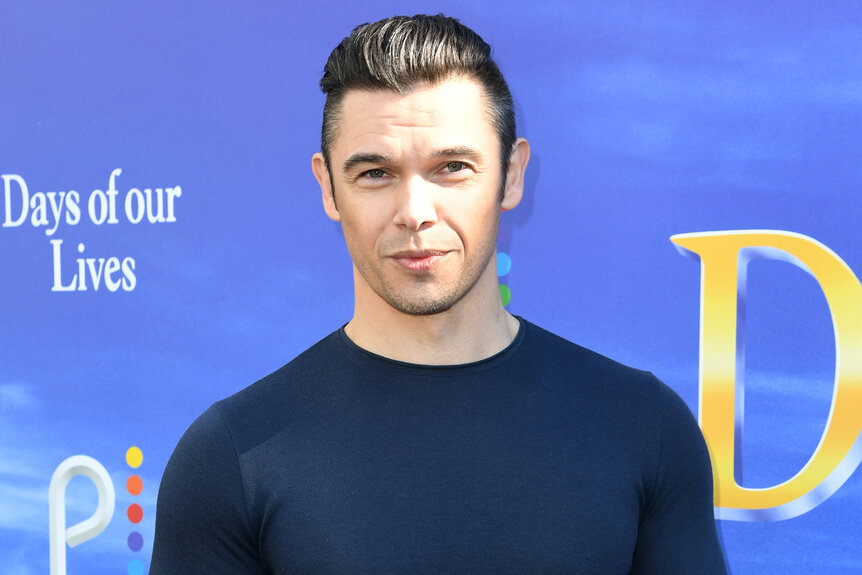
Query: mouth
(419, 260)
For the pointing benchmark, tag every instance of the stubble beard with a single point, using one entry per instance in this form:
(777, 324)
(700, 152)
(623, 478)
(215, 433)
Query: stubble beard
(429, 304)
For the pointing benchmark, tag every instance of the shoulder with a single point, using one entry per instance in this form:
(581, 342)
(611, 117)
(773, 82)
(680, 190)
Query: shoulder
(203, 516)
(205, 450)
(261, 410)
(548, 346)
(631, 403)
(310, 366)
(556, 358)
(315, 362)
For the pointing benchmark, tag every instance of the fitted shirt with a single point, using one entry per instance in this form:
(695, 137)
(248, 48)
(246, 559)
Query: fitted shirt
(544, 458)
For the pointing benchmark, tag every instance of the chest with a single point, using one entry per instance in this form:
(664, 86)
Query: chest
(427, 494)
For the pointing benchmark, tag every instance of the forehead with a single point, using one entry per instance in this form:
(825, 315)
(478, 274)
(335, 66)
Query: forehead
(445, 114)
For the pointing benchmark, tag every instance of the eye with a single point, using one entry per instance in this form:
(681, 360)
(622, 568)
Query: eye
(455, 166)
(375, 174)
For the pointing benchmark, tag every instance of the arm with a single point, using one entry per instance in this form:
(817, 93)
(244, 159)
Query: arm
(202, 523)
(677, 533)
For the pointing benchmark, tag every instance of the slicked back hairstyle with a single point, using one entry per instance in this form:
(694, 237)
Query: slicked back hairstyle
(399, 53)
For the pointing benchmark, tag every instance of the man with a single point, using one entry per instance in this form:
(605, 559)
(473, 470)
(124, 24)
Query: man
(435, 432)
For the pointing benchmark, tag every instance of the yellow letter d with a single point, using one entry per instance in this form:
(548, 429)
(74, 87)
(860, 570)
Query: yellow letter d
(724, 257)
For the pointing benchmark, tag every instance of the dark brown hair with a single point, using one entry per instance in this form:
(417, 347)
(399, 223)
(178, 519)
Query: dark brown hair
(402, 51)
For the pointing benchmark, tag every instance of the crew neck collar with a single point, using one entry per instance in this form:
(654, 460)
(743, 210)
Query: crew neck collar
(424, 369)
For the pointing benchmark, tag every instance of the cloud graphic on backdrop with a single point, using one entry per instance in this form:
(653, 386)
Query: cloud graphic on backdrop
(17, 397)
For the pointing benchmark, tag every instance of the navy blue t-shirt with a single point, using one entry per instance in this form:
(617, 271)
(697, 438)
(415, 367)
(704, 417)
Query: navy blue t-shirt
(545, 458)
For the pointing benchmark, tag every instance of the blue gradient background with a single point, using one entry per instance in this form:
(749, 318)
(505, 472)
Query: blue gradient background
(645, 121)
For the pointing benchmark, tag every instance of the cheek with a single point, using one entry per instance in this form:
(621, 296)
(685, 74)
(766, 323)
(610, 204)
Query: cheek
(361, 234)
(353, 234)
(477, 225)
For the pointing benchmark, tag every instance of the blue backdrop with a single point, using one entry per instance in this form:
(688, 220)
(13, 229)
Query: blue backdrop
(646, 120)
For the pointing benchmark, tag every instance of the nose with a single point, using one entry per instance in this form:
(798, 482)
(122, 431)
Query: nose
(416, 209)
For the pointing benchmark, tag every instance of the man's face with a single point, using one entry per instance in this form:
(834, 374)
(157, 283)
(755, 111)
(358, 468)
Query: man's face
(417, 187)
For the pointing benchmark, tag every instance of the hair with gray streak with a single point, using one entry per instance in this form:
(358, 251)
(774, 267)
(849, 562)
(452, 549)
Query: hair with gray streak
(400, 52)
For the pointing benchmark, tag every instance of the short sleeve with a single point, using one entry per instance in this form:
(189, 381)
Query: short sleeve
(202, 521)
(677, 532)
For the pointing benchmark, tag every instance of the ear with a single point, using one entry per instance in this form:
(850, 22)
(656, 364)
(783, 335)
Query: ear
(514, 190)
(321, 174)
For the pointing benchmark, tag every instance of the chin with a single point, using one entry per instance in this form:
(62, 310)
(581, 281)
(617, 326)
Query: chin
(421, 306)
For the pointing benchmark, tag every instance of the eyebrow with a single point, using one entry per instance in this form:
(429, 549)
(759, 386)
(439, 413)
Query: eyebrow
(363, 158)
(369, 158)
(462, 151)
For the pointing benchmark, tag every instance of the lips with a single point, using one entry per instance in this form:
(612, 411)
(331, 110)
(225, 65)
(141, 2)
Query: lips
(419, 260)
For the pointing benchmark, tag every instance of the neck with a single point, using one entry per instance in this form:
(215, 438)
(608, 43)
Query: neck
(475, 328)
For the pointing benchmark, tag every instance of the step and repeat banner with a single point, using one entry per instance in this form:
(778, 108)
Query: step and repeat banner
(692, 207)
